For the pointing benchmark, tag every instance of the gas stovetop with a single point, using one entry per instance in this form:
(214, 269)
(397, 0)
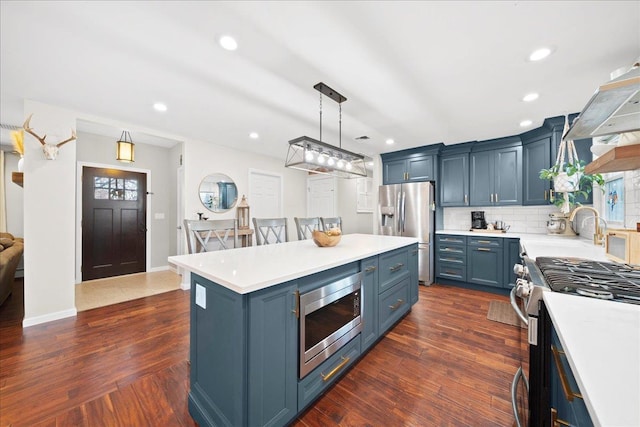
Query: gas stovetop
(604, 280)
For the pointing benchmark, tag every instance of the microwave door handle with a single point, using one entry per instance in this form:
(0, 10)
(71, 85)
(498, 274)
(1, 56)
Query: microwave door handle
(514, 305)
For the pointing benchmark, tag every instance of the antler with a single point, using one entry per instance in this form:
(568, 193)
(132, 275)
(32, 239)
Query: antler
(73, 136)
(29, 130)
(41, 139)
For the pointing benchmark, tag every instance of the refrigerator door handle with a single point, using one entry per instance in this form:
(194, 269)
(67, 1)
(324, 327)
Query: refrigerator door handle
(404, 210)
(398, 209)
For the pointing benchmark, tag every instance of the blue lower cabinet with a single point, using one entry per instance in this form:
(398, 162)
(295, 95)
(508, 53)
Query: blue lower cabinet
(485, 266)
(370, 301)
(393, 304)
(312, 385)
(566, 399)
(394, 266)
(413, 270)
(273, 356)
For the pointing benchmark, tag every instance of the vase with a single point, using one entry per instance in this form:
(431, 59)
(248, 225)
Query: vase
(564, 183)
(21, 164)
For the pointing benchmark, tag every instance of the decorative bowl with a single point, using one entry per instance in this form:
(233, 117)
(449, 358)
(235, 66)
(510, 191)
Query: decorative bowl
(322, 239)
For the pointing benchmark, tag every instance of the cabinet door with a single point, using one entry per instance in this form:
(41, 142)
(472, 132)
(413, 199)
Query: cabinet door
(481, 177)
(508, 176)
(394, 172)
(420, 169)
(273, 356)
(536, 156)
(454, 180)
(370, 301)
(485, 266)
(511, 258)
(413, 272)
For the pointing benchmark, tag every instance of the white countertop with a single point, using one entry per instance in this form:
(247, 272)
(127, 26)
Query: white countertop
(602, 342)
(546, 244)
(245, 270)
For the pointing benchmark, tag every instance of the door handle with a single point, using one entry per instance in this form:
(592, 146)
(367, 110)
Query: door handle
(491, 197)
(496, 198)
(466, 199)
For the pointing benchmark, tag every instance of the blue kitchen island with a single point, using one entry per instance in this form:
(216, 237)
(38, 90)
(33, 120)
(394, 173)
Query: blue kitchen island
(247, 330)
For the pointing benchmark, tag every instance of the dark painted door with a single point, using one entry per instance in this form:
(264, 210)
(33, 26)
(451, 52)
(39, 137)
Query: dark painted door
(113, 222)
(420, 169)
(481, 178)
(394, 172)
(537, 156)
(508, 176)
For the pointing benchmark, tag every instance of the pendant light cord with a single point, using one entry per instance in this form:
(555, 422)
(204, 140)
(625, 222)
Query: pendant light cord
(320, 116)
(340, 124)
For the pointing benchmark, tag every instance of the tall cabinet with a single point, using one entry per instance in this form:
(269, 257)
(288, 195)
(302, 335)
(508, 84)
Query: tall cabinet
(454, 175)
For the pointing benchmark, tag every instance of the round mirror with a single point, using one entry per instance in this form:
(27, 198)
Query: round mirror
(218, 192)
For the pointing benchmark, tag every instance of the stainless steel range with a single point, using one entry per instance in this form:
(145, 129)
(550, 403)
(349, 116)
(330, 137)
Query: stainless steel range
(618, 283)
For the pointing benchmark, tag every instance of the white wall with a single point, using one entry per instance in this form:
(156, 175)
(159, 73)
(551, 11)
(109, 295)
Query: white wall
(352, 221)
(204, 158)
(49, 218)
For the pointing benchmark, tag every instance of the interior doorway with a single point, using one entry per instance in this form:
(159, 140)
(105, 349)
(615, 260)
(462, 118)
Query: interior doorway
(114, 222)
(265, 194)
(321, 196)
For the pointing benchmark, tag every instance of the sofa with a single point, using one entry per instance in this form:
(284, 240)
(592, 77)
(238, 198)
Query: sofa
(11, 249)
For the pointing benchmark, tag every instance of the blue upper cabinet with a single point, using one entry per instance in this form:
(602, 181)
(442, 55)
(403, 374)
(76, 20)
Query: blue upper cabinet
(453, 181)
(495, 172)
(414, 165)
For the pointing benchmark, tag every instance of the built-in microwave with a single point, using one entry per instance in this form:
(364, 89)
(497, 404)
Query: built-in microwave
(622, 245)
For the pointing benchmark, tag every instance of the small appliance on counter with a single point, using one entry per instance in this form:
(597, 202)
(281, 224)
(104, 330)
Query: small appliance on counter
(559, 225)
(477, 220)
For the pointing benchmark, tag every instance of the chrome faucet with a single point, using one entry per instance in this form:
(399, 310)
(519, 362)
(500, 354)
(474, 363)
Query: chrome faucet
(598, 235)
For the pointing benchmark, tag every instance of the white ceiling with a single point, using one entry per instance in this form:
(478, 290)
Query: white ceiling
(417, 72)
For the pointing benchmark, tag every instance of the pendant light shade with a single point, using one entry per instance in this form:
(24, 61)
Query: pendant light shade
(125, 148)
(312, 155)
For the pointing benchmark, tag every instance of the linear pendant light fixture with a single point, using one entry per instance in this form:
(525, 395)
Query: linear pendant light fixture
(125, 148)
(309, 154)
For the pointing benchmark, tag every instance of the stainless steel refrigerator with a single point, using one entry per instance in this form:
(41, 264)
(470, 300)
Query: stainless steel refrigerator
(409, 210)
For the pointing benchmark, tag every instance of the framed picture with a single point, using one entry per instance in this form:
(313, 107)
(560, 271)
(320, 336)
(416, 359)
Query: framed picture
(614, 199)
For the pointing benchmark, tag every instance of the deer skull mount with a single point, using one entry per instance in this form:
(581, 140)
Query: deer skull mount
(50, 150)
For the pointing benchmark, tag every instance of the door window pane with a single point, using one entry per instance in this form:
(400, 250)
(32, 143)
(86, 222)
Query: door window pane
(105, 188)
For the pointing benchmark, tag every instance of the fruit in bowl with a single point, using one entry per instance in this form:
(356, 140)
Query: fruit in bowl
(327, 238)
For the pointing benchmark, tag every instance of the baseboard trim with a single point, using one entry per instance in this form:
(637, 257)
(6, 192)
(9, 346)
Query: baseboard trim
(161, 268)
(32, 321)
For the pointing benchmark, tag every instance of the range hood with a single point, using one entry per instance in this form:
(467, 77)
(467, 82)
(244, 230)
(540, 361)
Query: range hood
(614, 108)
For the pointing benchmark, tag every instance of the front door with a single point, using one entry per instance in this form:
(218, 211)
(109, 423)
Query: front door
(114, 228)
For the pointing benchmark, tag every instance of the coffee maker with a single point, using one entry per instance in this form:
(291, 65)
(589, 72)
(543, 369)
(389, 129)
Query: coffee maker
(477, 220)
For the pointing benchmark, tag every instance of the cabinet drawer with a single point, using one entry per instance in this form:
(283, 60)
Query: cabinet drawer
(394, 266)
(393, 304)
(326, 374)
(451, 249)
(494, 242)
(451, 258)
(451, 271)
(450, 238)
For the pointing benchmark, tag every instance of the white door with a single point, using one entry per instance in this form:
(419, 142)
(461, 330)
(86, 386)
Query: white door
(321, 196)
(265, 194)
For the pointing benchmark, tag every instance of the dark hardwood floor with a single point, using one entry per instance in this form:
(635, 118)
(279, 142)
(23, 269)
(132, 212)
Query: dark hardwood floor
(444, 364)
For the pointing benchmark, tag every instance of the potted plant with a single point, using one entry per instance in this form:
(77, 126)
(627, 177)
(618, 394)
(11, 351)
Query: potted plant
(571, 180)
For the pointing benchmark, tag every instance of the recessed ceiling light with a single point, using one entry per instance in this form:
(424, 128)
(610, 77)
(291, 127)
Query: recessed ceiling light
(228, 43)
(525, 123)
(539, 54)
(530, 97)
(390, 141)
(254, 135)
(159, 106)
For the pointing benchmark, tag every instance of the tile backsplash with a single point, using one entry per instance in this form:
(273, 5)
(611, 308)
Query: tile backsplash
(522, 219)
(533, 219)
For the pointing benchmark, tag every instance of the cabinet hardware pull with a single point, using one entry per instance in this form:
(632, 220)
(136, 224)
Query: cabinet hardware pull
(484, 249)
(466, 199)
(296, 311)
(370, 269)
(496, 198)
(568, 393)
(551, 195)
(545, 195)
(453, 273)
(450, 260)
(396, 267)
(396, 305)
(335, 370)
(555, 421)
(486, 242)
(491, 197)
